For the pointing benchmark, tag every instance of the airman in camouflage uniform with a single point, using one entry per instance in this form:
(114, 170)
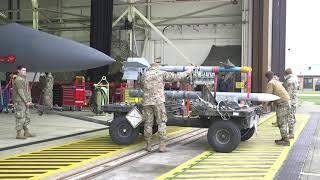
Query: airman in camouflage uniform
(152, 83)
(291, 84)
(282, 107)
(47, 91)
(22, 101)
(42, 82)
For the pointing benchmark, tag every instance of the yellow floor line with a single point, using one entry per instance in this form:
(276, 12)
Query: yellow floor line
(55, 159)
(253, 159)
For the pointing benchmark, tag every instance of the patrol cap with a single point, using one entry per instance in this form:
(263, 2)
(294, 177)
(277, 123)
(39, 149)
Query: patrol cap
(269, 74)
(288, 71)
(155, 64)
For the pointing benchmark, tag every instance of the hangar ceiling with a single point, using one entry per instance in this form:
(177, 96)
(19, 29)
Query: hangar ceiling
(74, 15)
(190, 24)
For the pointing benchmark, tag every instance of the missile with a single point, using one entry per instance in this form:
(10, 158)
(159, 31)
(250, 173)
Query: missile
(43, 52)
(215, 69)
(261, 97)
(136, 63)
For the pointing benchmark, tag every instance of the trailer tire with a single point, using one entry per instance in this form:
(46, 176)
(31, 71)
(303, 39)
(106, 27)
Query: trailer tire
(247, 133)
(121, 131)
(224, 136)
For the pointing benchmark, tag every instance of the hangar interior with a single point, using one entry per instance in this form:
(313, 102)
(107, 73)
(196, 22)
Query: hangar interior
(202, 31)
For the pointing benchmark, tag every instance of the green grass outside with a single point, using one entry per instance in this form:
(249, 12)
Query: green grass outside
(309, 92)
(314, 99)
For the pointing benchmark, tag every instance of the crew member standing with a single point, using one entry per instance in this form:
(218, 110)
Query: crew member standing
(291, 84)
(22, 101)
(152, 83)
(47, 91)
(282, 107)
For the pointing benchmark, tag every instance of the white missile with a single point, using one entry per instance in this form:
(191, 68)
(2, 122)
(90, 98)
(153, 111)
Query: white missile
(261, 97)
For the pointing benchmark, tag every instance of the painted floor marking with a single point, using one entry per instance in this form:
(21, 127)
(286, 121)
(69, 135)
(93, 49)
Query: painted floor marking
(41, 163)
(257, 158)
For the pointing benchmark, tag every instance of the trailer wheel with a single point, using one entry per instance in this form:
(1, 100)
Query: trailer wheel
(121, 131)
(224, 136)
(247, 133)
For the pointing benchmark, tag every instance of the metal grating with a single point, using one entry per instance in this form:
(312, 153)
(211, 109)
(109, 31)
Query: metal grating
(294, 163)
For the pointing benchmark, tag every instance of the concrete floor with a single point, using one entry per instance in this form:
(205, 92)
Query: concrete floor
(44, 127)
(156, 164)
(311, 170)
(149, 167)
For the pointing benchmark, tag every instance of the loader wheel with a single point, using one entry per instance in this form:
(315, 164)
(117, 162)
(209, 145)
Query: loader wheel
(121, 131)
(224, 136)
(247, 133)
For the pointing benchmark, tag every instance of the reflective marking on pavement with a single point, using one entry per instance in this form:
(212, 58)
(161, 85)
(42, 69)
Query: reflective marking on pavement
(257, 158)
(310, 174)
(41, 163)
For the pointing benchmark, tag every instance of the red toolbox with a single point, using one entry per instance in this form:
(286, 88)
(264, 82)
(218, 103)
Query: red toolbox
(74, 96)
(79, 92)
(68, 97)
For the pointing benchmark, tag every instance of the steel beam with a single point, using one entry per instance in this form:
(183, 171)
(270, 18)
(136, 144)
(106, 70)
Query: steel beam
(67, 13)
(10, 6)
(35, 13)
(162, 35)
(45, 16)
(193, 13)
(120, 17)
(170, 2)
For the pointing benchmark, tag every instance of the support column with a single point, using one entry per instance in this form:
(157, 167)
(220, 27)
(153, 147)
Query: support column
(279, 37)
(101, 33)
(260, 44)
(35, 14)
(10, 7)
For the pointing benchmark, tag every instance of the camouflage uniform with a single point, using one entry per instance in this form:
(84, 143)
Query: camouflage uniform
(291, 85)
(42, 82)
(283, 105)
(153, 82)
(47, 91)
(21, 96)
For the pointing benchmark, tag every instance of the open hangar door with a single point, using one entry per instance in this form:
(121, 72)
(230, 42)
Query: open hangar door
(203, 32)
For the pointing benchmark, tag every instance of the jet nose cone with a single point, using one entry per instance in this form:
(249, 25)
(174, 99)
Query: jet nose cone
(43, 52)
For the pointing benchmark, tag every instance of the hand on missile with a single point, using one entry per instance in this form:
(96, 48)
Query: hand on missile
(189, 71)
(264, 107)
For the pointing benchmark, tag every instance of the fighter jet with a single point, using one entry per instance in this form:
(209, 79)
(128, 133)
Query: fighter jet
(43, 52)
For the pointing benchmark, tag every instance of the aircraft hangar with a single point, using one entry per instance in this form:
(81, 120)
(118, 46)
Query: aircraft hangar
(78, 138)
(249, 29)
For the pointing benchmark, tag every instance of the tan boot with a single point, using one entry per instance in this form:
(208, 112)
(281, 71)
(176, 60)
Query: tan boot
(291, 135)
(20, 135)
(148, 145)
(275, 124)
(283, 142)
(163, 147)
(27, 133)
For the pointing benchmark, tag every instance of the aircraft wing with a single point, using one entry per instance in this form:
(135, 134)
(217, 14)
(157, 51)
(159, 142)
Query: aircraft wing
(43, 52)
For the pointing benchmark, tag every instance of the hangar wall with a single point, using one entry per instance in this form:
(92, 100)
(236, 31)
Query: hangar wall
(200, 24)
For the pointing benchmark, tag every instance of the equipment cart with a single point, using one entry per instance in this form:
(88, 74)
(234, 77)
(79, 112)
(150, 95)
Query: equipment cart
(228, 123)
